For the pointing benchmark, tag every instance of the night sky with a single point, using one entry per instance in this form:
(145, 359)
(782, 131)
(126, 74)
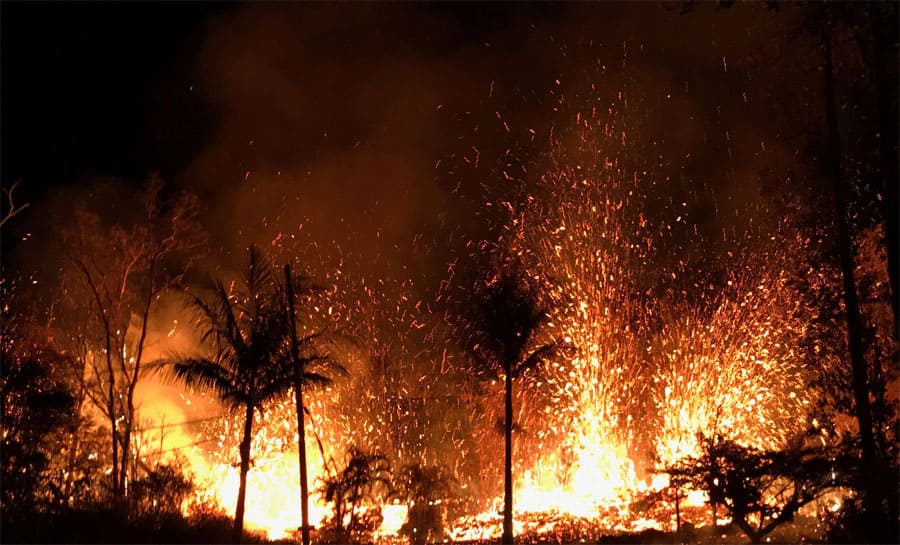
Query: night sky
(81, 84)
(111, 88)
(99, 91)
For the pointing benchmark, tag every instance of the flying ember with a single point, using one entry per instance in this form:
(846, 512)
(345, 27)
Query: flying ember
(661, 352)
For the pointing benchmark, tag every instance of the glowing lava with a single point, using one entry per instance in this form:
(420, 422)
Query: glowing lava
(667, 344)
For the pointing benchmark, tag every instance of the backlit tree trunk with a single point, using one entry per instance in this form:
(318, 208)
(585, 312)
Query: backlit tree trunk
(859, 370)
(301, 421)
(507, 472)
(238, 530)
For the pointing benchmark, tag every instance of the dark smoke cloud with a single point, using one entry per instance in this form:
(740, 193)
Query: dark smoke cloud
(352, 120)
(334, 116)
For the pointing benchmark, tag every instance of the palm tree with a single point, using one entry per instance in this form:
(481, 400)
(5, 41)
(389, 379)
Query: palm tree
(365, 477)
(248, 332)
(507, 317)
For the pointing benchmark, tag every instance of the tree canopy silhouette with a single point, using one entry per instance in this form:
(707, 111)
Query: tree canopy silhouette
(247, 332)
(506, 322)
(759, 489)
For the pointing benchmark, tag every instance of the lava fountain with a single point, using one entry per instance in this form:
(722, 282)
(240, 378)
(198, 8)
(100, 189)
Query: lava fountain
(670, 341)
(666, 348)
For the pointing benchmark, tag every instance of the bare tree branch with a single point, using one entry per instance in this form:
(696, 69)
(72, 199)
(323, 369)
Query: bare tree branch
(13, 210)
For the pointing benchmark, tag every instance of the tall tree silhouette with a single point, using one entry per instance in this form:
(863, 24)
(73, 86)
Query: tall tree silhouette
(306, 365)
(507, 317)
(248, 334)
(119, 272)
(841, 196)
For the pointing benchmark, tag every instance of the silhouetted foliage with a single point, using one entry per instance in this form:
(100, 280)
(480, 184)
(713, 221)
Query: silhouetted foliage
(115, 273)
(106, 525)
(247, 333)
(160, 492)
(507, 318)
(760, 490)
(364, 479)
(425, 490)
(36, 404)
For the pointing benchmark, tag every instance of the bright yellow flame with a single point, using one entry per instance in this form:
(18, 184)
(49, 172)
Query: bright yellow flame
(394, 518)
(273, 493)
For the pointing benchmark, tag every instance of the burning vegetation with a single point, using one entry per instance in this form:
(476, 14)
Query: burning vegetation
(584, 344)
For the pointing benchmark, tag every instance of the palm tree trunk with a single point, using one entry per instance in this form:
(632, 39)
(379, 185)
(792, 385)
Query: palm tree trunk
(859, 368)
(677, 512)
(339, 513)
(301, 421)
(238, 531)
(507, 468)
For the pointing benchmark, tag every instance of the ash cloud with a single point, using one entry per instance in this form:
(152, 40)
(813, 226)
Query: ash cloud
(334, 117)
(351, 125)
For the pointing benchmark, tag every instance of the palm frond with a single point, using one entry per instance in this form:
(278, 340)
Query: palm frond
(303, 285)
(316, 380)
(507, 314)
(323, 364)
(210, 375)
(217, 320)
(257, 278)
(229, 329)
(156, 366)
(275, 387)
(537, 357)
(313, 338)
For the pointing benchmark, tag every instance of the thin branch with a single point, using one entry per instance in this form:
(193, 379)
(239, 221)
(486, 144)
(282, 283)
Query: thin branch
(13, 210)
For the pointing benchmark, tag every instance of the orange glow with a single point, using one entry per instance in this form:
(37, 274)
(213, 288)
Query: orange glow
(659, 355)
